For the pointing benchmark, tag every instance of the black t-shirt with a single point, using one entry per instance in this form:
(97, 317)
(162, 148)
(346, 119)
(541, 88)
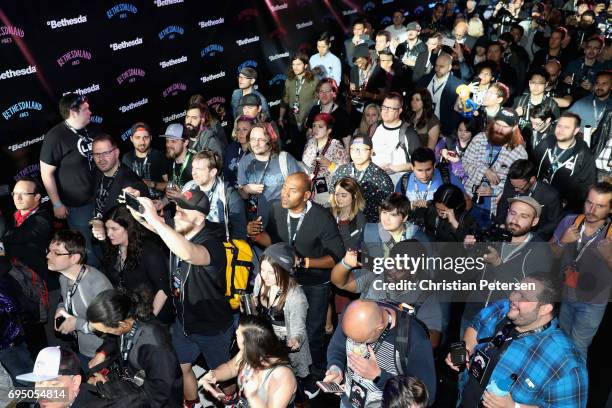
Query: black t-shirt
(71, 153)
(152, 167)
(341, 121)
(201, 305)
(181, 173)
(317, 236)
(108, 189)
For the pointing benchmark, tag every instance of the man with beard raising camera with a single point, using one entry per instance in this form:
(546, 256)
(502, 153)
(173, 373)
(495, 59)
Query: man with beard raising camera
(523, 255)
(487, 160)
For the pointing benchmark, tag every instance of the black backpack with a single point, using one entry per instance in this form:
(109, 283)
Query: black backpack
(405, 320)
(33, 296)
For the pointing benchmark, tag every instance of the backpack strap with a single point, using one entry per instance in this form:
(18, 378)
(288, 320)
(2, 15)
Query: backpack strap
(282, 159)
(403, 140)
(404, 182)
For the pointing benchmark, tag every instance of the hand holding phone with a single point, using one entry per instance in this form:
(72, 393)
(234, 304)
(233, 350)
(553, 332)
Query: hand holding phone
(330, 387)
(132, 202)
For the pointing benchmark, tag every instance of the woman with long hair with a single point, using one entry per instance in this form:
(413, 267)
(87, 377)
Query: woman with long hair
(321, 156)
(347, 204)
(262, 367)
(485, 76)
(371, 115)
(447, 220)
(238, 148)
(452, 148)
(134, 262)
(298, 97)
(142, 347)
(282, 301)
(423, 118)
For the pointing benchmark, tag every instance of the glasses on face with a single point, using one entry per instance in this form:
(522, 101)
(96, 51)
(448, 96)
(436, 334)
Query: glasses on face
(259, 140)
(104, 155)
(388, 108)
(75, 105)
(55, 253)
(323, 91)
(21, 194)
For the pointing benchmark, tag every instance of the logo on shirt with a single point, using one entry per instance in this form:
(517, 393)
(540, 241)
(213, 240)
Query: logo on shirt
(22, 109)
(210, 23)
(171, 32)
(174, 89)
(130, 75)
(121, 10)
(74, 57)
(211, 50)
(67, 22)
(277, 79)
(8, 32)
(9, 73)
(84, 147)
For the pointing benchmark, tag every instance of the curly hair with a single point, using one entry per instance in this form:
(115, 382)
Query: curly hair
(136, 235)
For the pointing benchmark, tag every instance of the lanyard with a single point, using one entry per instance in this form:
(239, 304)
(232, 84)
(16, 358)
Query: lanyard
(416, 187)
(364, 77)
(127, 341)
(299, 224)
(434, 89)
(362, 173)
(555, 158)
(317, 165)
(263, 173)
(492, 159)
(298, 89)
(86, 140)
(580, 247)
(597, 115)
(100, 196)
(509, 256)
(73, 290)
(177, 180)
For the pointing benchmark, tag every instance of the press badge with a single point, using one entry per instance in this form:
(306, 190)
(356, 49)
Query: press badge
(358, 395)
(570, 165)
(479, 366)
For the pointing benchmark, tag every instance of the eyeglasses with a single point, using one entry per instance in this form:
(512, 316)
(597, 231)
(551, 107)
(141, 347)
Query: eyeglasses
(104, 155)
(386, 108)
(55, 253)
(76, 104)
(21, 193)
(321, 91)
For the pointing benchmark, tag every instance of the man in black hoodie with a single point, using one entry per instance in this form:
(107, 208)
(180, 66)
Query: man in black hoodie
(566, 163)
(204, 323)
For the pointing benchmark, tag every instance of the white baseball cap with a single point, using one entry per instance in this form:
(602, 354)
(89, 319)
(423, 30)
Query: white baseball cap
(52, 362)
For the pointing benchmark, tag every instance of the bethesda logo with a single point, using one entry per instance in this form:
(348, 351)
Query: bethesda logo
(281, 6)
(66, 22)
(22, 107)
(349, 12)
(84, 91)
(299, 26)
(171, 32)
(162, 3)
(8, 32)
(130, 75)
(210, 23)
(121, 9)
(174, 116)
(74, 57)
(9, 73)
(278, 56)
(171, 62)
(174, 89)
(126, 44)
(27, 143)
(212, 77)
(247, 41)
(133, 105)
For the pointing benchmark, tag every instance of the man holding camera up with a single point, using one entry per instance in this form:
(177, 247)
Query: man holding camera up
(197, 274)
(516, 259)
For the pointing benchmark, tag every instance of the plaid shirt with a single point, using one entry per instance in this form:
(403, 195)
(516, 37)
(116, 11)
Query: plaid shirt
(476, 162)
(550, 371)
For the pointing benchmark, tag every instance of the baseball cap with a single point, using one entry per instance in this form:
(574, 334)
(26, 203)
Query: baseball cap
(507, 115)
(52, 362)
(282, 254)
(361, 50)
(249, 72)
(174, 131)
(365, 140)
(140, 126)
(414, 26)
(529, 201)
(194, 200)
(250, 100)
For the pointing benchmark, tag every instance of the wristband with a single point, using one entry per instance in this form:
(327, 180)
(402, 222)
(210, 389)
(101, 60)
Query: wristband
(344, 264)
(306, 263)
(58, 204)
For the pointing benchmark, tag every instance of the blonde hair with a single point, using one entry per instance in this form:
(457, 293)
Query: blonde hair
(475, 27)
(354, 190)
(364, 128)
(242, 118)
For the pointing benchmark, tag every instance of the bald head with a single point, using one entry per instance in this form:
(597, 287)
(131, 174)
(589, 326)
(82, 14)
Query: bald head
(295, 192)
(300, 180)
(362, 320)
(443, 64)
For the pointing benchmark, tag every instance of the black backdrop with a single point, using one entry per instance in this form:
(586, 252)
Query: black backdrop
(140, 60)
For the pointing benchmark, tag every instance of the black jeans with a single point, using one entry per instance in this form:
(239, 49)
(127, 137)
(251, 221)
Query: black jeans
(317, 296)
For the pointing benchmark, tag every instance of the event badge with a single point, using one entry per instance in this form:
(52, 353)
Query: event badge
(571, 276)
(479, 365)
(358, 395)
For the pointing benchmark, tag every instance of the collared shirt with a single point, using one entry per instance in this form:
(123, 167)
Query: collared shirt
(329, 64)
(549, 369)
(436, 88)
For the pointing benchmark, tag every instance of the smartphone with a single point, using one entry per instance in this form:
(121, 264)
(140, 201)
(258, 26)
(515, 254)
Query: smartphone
(330, 387)
(451, 153)
(59, 320)
(457, 353)
(449, 42)
(132, 202)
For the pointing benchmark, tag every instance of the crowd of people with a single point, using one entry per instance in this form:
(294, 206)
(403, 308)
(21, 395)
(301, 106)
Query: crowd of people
(248, 250)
